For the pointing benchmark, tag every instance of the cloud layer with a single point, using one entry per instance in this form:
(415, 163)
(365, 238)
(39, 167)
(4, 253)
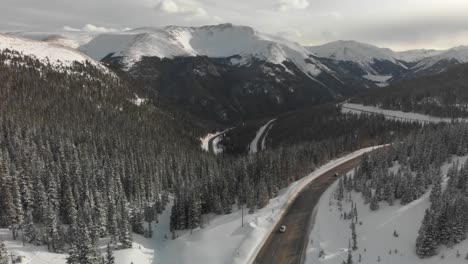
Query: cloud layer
(399, 24)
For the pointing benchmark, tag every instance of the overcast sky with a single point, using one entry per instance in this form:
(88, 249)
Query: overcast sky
(397, 24)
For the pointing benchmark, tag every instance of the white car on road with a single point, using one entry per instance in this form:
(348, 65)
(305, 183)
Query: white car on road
(282, 229)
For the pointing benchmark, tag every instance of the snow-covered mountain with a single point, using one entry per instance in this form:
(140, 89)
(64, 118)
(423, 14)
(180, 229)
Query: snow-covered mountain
(360, 62)
(362, 54)
(72, 39)
(414, 56)
(440, 62)
(57, 55)
(219, 41)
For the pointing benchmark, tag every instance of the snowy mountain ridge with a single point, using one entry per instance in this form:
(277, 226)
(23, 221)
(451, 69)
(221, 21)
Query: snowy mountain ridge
(72, 39)
(360, 53)
(225, 40)
(55, 54)
(456, 55)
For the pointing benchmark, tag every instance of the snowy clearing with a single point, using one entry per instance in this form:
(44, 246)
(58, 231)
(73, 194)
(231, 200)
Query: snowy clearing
(375, 236)
(393, 114)
(253, 148)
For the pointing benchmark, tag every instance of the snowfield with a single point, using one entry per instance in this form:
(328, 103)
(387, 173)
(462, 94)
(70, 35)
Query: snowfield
(56, 54)
(394, 114)
(375, 236)
(222, 239)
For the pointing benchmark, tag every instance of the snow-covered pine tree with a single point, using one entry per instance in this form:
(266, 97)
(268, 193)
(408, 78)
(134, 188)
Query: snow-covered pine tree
(427, 240)
(3, 253)
(125, 229)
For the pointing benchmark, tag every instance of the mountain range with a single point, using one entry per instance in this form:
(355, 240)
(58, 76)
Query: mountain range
(225, 73)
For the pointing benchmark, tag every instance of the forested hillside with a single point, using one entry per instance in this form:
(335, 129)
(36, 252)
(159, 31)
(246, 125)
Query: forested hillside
(403, 173)
(81, 160)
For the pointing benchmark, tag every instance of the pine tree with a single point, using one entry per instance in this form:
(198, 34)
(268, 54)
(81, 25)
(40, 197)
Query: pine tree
(110, 259)
(354, 236)
(427, 240)
(125, 234)
(436, 189)
(3, 253)
(83, 251)
(374, 204)
(349, 260)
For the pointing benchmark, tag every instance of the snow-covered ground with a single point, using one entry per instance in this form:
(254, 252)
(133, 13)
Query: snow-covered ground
(375, 236)
(253, 148)
(393, 114)
(222, 239)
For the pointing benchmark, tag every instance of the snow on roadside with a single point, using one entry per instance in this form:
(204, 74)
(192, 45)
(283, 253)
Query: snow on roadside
(375, 236)
(205, 141)
(254, 144)
(394, 114)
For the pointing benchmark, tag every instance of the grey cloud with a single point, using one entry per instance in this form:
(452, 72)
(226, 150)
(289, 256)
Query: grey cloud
(399, 23)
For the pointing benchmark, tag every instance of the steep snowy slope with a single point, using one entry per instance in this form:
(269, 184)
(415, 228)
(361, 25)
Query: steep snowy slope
(441, 61)
(220, 41)
(56, 54)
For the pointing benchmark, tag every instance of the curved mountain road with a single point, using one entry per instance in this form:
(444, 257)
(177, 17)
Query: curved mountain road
(211, 148)
(258, 143)
(290, 247)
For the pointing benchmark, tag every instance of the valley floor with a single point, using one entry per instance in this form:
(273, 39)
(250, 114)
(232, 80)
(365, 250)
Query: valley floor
(375, 236)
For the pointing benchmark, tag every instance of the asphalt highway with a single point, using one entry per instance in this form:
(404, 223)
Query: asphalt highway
(290, 247)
